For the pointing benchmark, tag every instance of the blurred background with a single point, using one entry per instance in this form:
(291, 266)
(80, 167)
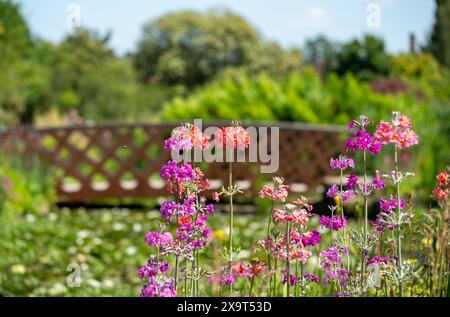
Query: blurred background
(68, 63)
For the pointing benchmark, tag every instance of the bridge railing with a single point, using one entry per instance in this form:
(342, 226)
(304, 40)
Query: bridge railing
(124, 160)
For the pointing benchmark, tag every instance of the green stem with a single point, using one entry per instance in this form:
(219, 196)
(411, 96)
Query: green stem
(341, 185)
(296, 279)
(363, 267)
(251, 286)
(288, 273)
(269, 252)
(230, 246)
(399, 235)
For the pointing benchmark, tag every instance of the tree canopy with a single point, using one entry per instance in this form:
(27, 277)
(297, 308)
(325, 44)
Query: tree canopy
(190, 48)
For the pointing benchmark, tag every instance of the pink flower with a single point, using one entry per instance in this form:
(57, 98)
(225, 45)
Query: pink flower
(384, 133)
(232, 137)
(399, 132)
(439, 194)
(215, 196)
(277, 192)
(239, 269)
(185, 138)
(404, 122)
(443, 178)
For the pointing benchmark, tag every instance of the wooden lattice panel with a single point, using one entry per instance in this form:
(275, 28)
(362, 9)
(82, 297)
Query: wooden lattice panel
(119, 161)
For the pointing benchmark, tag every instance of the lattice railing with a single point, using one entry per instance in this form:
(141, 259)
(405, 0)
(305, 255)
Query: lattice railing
(119, 161)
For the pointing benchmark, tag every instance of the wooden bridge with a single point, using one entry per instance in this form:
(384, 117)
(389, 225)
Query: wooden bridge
(124, 160)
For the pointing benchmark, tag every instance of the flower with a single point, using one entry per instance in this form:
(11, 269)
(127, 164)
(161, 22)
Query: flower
(310, 238)
(291, 213)
(352, 180)
(277, 192)
(440, 194)
(185, 138)
(332, 191)
(333, 223)
(292, 279)
(363, 141)
(398, 131)
(388, 205)
(215, 196)
(384, 133)
(158, 239)
(380, 260)
(443, 178)
(311, 278)
(168, 208)
(331, 262)
(378, 181)
(239, 269)
(158, 285)
(347, 195)
(342, 162)
(256, 268)
(227, 279)
(232, 137)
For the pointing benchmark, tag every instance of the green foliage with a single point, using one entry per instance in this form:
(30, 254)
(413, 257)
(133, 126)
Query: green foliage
(15, 39)
(25, 188)
(24, 81)
(366, 58)
(190, 48)
(439, 41)
(322, 52)
(417, 66)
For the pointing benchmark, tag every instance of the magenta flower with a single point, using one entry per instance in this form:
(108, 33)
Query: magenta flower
(352, 181)
(347, 195)
(333, 223)
(311, 278)
(331, 262)
(342, 162)
(159, 239)
(310, 238)
(378, 181)
(332, 191)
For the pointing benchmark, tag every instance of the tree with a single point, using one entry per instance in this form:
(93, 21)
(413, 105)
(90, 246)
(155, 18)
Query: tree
(439, 41)
(88, 77)
(15, 38)
(366, 59)
(189, 48)
(322, 53)
(24, 81)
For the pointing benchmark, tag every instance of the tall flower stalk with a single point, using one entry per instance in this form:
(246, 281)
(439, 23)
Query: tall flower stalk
(361, 140)
(398, 132)
(277, 192)
(231, 138)
(188, 212)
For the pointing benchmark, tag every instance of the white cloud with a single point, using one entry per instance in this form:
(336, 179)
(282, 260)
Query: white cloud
(314, 19)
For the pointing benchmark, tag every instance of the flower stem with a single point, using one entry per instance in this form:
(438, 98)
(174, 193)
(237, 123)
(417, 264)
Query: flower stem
(296, 279)
(288, 273)
(363, 268)
(251, 286)
(399, 234)
(341, 182)
(230, 246)
(269, 253)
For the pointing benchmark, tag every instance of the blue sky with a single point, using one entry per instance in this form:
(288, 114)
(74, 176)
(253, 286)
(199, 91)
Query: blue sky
(289, 22)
